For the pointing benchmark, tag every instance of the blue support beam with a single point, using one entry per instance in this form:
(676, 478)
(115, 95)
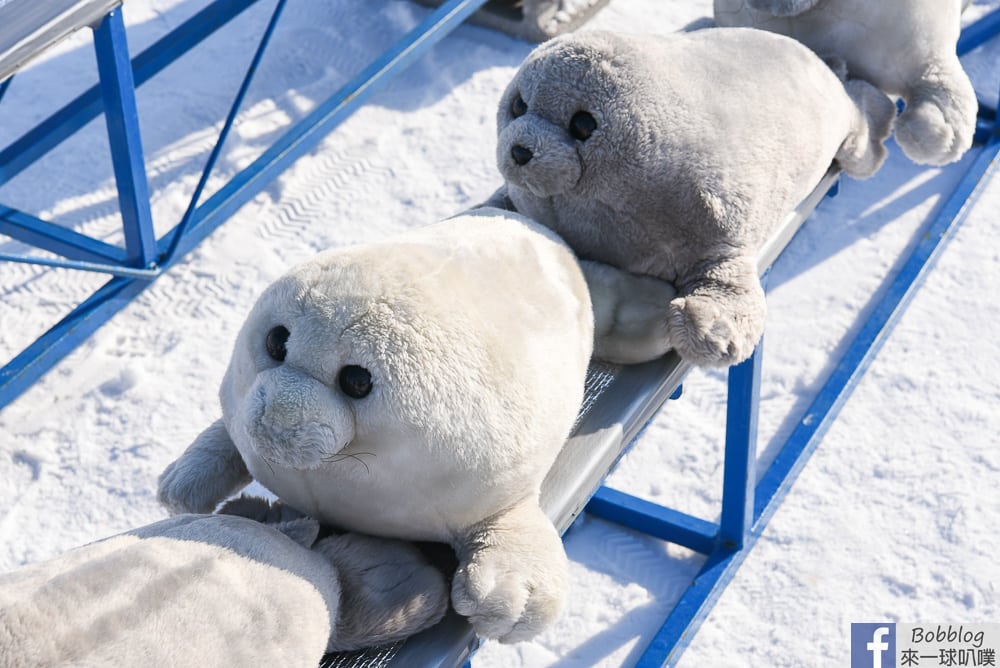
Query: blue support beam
(693, 607)
(777, 480)
(654, 520)
(977, 33)
(56, 238)
(19, 374)
(122, 116)
(185, 221)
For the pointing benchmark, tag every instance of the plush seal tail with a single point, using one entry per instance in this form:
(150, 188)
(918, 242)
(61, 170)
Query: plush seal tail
(864, 151)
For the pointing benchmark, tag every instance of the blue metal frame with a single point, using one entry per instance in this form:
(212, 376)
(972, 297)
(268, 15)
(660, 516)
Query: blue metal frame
(747, 507)
(146, 257)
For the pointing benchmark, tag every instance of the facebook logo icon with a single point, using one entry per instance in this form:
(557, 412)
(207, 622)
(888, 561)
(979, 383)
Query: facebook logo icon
(873, 645)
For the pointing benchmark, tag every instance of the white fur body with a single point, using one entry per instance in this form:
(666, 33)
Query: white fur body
(904, 47)
(477, 333)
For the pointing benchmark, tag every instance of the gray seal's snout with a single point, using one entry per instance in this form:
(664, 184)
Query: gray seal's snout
(520, 154)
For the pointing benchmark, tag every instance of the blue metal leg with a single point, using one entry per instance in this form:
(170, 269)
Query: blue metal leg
(734, 532)
(56, 238)
(738, 478)
(737, 486)
(118, 90)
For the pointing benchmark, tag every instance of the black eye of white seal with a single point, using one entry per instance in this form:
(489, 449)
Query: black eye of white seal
(582, 125)
(355, 381)
(275, 343)
(518, 107)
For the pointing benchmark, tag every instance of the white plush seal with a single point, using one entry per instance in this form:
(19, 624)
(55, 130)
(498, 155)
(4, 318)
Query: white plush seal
(217, 590)
(418, 387)
(675, 157)
(905, 47)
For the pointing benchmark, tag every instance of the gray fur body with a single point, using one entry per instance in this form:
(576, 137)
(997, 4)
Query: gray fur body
(904, 47)
(704, 142)
(216, 590)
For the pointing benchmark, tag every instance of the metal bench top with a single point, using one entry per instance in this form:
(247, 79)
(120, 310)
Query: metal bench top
(29, 27)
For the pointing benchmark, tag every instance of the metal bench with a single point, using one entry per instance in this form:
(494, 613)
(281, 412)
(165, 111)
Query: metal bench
(28, 28)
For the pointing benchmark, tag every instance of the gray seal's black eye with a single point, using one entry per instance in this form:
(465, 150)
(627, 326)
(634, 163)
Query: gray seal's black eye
(355, 381)
(518, 107)
(275, 343)
(582, 125)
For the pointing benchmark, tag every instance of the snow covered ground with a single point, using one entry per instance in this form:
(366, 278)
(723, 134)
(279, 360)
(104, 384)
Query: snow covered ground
(894, 519)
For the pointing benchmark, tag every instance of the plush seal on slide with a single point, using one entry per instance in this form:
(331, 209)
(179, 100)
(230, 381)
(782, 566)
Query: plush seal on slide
(418, 387)
(250, 587)
(675, 157)
(905, 47)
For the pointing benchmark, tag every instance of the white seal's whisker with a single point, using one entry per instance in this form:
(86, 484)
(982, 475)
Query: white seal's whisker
(341, 456)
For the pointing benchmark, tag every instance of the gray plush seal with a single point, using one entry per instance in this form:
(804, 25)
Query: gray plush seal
(675, 157)
(905, 47)
(249, 587)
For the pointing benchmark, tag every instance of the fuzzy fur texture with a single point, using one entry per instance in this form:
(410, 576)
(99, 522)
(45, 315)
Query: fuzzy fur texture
(476, 332)
(699, 145)
(217, 590)
(905, 47)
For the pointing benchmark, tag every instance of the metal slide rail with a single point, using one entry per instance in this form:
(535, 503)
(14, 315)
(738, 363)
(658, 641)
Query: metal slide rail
(145, 257)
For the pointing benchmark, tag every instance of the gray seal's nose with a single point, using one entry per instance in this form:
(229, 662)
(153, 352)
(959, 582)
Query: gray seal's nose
(520, 154)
